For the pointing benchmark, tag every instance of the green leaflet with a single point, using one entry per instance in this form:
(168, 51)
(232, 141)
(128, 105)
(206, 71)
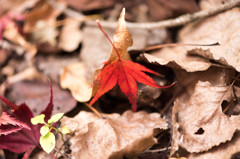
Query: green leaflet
(48, 142)
(39, 119)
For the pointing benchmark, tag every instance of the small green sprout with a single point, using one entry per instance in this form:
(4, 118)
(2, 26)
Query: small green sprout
(47, 139)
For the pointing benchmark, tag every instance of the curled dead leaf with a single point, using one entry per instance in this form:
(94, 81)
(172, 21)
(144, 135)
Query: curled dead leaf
(199, 123)
(113, 137)
(73, 78)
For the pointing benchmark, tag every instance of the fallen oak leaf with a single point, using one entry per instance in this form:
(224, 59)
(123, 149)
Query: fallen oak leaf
(120, 70)
(24, 140)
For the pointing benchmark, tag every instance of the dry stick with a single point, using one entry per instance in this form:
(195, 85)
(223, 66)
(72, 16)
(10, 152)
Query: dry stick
(172, 22)
(151, 25)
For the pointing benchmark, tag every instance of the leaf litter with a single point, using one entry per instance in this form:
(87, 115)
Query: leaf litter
(202, 109)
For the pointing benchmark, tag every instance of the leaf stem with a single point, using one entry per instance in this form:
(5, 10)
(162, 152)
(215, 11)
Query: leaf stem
(100, 27)
(94, 110)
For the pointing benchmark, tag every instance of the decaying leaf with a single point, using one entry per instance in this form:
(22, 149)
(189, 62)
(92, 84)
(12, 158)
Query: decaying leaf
(228, 150)
(162, 9)
(120, 70)
(114, 136)
(214, 75)
(86, 5)
(73, 78)
(222, 28)
(11, 33)
(199, 123)
(40, 24)
(176, 57)
(36, 93)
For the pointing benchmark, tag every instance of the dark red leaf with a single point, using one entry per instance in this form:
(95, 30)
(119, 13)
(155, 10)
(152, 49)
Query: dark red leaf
(24, 140)
(9, 124)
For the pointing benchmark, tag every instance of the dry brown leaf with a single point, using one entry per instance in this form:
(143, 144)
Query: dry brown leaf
(207, 4)
(36, 95)
(30, 73)
(113, 137)
(215, 75)
(199, 123)
(162, 9)
(86, 5)
(177, 58)
(12, 34)
(223, 28)
(16, 6)
(73, 78)
(223, 151)
(43, 11)
(56, 63)
(41, 23)
(70, 36)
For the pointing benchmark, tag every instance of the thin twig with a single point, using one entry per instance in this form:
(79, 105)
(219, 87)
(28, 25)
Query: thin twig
(184, 19)
(172, 22)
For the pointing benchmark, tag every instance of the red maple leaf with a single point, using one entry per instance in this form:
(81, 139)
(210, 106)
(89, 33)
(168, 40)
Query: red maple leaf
(119, 70)
(24, 140)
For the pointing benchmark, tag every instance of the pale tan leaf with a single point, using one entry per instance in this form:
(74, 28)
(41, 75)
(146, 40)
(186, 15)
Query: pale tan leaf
(113, 137)
(73, 78)
(199, 123)
(13, 35)
(176, 57)
(70, 36)
(227, 150)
